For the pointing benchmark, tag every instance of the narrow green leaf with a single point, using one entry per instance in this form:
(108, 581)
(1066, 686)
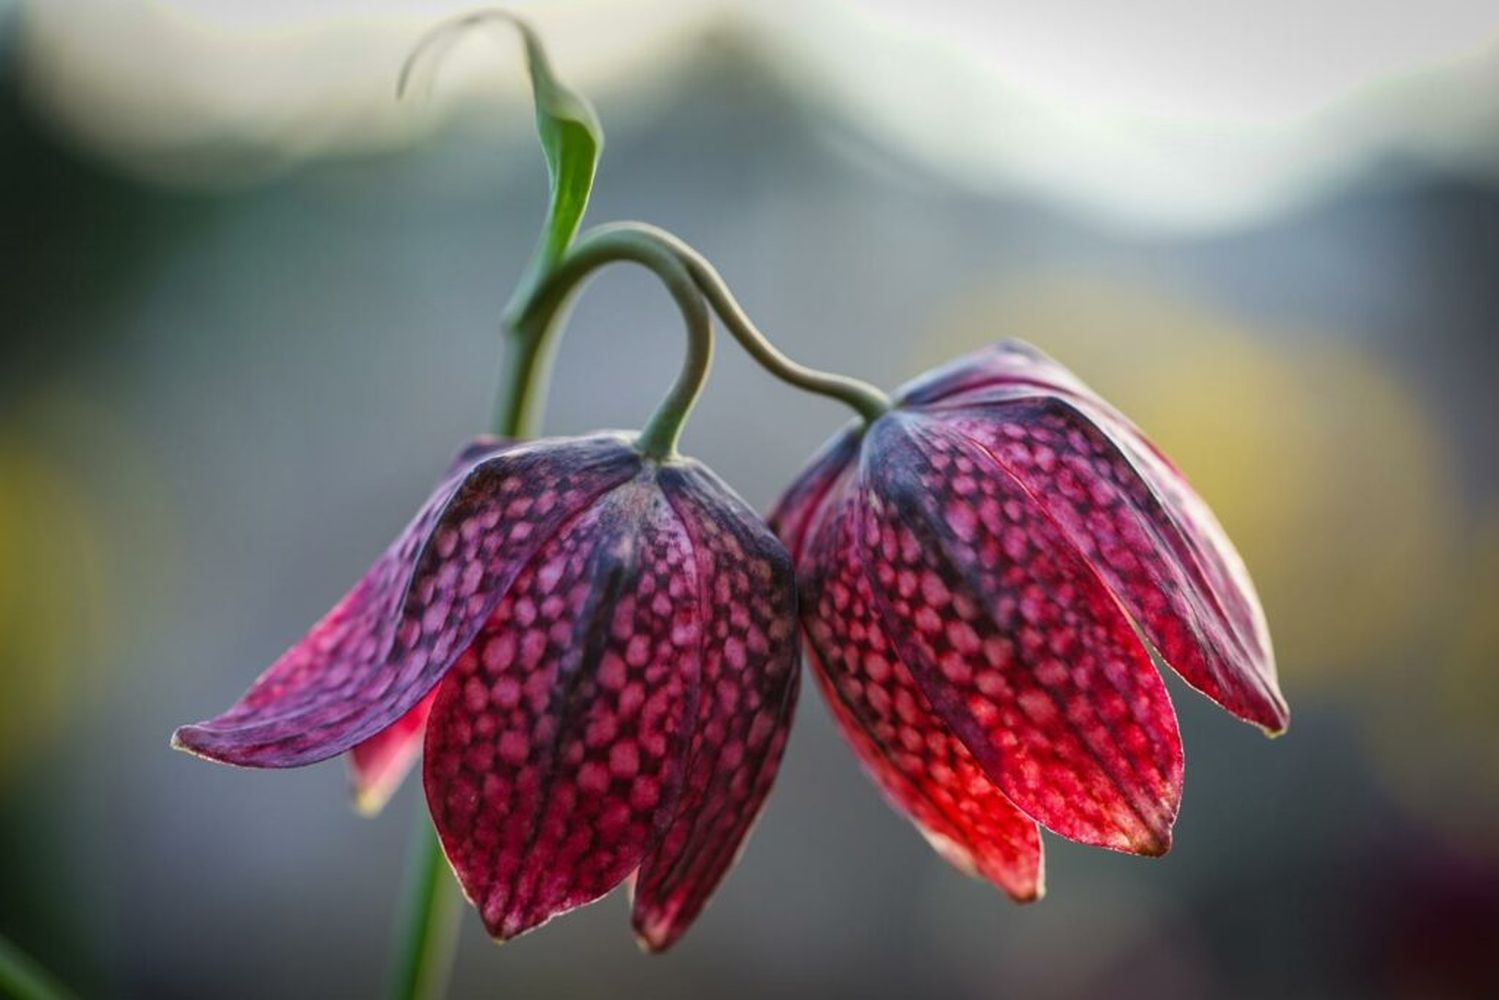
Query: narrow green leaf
(572, 140)
(571, 137)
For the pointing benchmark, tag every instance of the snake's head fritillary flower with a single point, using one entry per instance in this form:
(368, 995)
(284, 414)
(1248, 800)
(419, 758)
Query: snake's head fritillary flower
(984, 572)
(605, 648)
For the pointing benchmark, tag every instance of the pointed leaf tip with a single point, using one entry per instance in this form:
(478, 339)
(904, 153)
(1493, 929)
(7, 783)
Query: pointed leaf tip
(572, 139)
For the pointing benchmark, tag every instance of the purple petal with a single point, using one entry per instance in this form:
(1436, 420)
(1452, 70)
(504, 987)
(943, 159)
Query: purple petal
(1006, 364)
(554, 752)
(476, 451)
(743, 714)
(379, 764)
(390, 640)
(799, 506)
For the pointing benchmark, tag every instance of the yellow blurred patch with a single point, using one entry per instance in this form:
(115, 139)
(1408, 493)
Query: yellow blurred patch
(1436, 730)
(51, 582)
(72, 518)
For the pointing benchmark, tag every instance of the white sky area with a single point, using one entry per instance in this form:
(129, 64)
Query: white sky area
(1163, 114)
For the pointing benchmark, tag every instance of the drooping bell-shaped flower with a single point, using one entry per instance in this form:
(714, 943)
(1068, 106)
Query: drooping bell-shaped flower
(983, 571)
(606, 646)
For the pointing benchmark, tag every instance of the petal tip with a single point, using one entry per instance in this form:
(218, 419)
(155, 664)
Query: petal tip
(508, 930)
(651, 945)
(183, 741)
(1272, 716)
(196, 741)
(369, 802)
(1155, 844)
(1281, 721)
(654, 938)
(1034, 894)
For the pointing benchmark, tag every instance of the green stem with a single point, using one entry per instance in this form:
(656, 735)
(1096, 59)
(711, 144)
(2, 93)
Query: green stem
(865, 399)
(593, 250)
(21, 977)
(518, 409)
(668, 256)
(428, 930)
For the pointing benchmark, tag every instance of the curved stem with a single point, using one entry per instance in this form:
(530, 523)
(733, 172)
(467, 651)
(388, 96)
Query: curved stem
(593, 250)
(865, 399)
(671, 259)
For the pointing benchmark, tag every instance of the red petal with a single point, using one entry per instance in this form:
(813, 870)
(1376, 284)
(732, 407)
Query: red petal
(1216, 569)
(390, 640)
(1015, 640)
(1126, 529)
(377, 765)
(749, 687)
(1217, 609)
(554, 750)
(924, 770)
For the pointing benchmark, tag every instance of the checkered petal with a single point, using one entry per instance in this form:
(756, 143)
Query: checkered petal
(378, 765)
(554, 753)
(1147, 532)
(389, 641)
(911, 753)
(1015, 640)
(744, 709)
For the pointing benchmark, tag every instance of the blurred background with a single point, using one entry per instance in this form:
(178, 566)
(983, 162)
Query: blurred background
(250, 307)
